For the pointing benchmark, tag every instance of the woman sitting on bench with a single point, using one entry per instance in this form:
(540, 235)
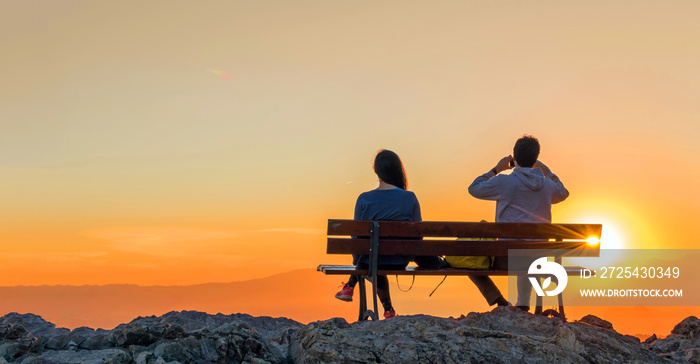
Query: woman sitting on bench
(389, 202)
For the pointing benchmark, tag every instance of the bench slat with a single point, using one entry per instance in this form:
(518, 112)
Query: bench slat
(351, 270)
(459, 247)
(466, 229)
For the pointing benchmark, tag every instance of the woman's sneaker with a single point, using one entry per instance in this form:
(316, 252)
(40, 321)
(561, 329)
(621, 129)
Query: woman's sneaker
(345, 294)
(389, 314)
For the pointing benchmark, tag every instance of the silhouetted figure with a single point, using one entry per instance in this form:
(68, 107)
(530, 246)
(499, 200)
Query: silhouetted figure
(389, 202)
(525, 195)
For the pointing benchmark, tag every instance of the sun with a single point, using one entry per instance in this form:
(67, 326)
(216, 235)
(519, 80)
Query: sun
(612, 241)
(611, 237)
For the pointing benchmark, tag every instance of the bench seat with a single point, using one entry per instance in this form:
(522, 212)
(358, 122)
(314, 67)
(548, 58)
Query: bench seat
(416, 271)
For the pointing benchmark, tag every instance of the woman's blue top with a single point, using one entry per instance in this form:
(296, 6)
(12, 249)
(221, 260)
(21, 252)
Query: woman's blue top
(388, 205)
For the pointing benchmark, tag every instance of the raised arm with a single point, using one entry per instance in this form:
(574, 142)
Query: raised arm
(560, 192)
(485, 187)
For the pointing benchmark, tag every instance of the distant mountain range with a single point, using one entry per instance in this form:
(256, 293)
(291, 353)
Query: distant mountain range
(302, 294)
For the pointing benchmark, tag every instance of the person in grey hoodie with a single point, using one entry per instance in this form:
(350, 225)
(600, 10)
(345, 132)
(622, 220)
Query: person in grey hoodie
(524, 195)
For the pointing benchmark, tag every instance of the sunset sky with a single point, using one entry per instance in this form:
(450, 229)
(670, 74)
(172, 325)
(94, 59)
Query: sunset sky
(176, 143)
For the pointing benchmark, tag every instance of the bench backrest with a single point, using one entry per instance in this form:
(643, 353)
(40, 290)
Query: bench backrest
(438, 238)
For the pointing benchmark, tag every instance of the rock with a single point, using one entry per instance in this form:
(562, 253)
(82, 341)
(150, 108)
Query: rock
(634, 338)
(107, 356)
(504, 335)
(651, 339)
(15, 349)
(58, 342)
(665, 345)
(689, 328)
(135, 350)
(138, 333)
(33, 324)
(211, 352)
(15, 332)
(511, 320)
(14, 326)
(192, 322)
(162, 361)
(692, 355)
(80, 334)
(683, 343)
(173, 332)
(98, 340)
(185, 350)
(501, 336)
(145, 357)
(4, 328)
(596, 321)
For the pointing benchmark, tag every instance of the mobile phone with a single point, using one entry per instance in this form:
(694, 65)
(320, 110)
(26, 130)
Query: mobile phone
(512, 163)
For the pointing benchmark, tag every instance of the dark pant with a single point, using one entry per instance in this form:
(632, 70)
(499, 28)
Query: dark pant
(485, 284)
(489, 290)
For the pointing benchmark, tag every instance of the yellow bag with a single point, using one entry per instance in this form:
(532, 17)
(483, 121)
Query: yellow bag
(469, 261)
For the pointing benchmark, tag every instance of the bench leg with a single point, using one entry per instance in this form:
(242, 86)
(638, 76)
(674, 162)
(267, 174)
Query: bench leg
(372, 273)
(363, 298)
(366, 314)
(551, 312)
(557, 259)
(538, 300)
(561, 307)
(375, 316)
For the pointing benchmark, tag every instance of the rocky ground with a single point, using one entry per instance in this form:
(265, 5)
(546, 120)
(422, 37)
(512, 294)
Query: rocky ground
(504, 335)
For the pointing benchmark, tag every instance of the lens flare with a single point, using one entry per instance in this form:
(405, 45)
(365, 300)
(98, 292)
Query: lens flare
(593, 241)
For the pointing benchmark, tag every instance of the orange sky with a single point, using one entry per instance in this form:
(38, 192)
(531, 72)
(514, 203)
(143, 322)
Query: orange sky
(182, 143)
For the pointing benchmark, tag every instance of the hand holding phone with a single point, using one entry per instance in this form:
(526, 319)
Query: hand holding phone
(504, 163)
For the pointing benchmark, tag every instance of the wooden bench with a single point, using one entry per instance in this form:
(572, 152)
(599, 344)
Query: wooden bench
(375, 238)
